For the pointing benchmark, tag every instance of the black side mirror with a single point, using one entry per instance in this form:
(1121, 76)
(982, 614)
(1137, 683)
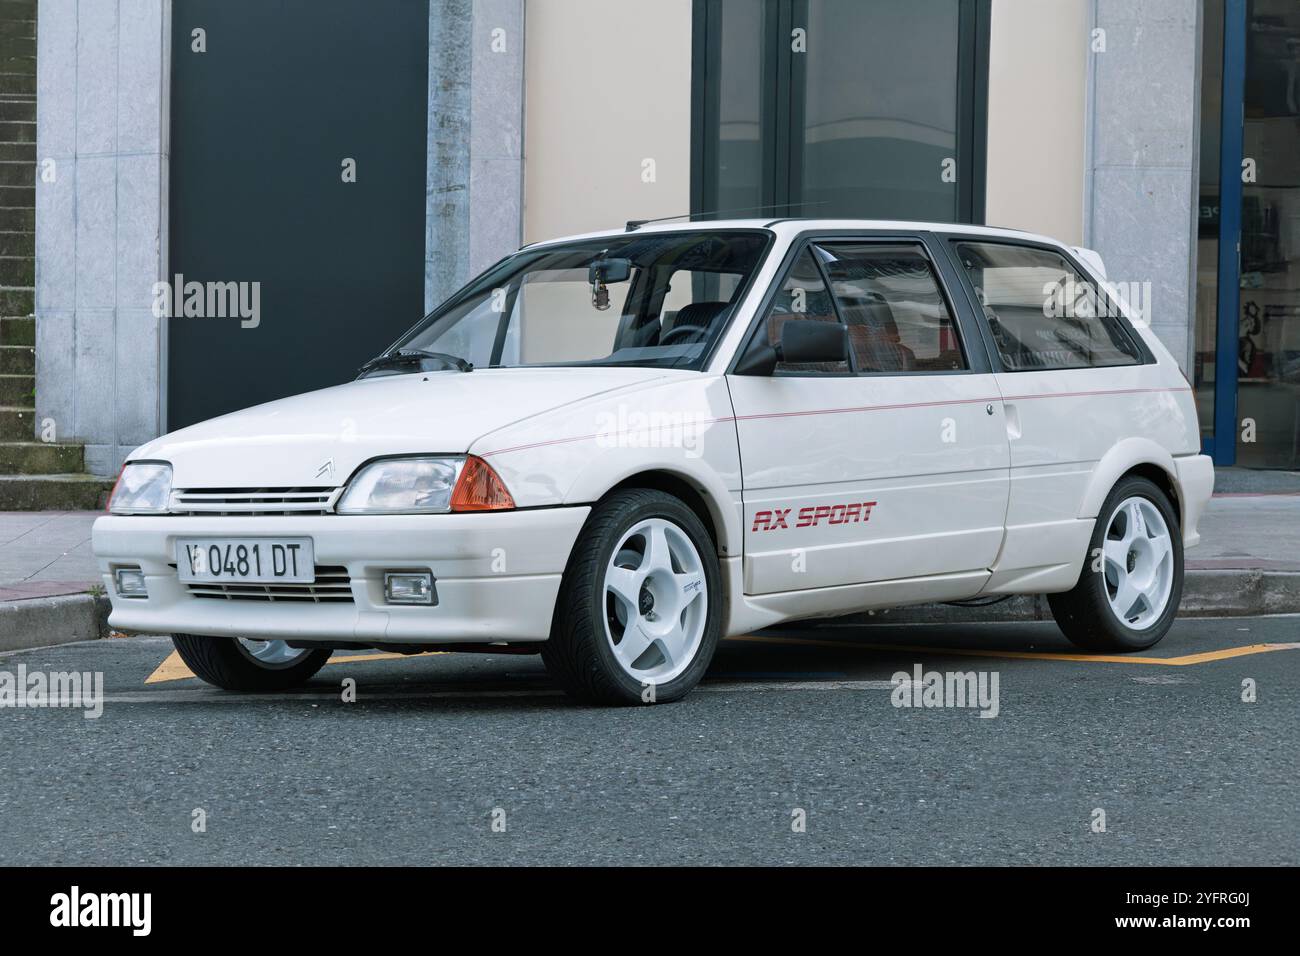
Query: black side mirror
(802, 341)
(811, 340)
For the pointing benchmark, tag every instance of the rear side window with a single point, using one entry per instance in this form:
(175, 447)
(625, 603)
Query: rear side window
(1043, 313)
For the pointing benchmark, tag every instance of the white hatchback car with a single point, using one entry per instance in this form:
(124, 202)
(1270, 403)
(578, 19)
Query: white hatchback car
(619, 448)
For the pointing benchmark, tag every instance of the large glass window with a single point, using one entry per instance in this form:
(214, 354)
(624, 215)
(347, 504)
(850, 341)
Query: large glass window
(1268, 350)
(735, 172)
(835, 108)
(879, 109)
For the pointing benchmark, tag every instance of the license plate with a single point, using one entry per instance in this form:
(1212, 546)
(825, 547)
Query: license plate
(246, 560)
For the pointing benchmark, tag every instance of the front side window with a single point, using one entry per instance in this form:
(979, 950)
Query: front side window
(889, 298)
(657, 299)
(885, 294)
(1043, 313)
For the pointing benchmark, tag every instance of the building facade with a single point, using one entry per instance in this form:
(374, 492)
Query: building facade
(249, 200)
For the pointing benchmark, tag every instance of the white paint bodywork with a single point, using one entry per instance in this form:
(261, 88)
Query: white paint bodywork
(1007, 509)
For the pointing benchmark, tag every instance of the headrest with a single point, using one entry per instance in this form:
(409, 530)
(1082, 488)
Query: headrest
(699, 314)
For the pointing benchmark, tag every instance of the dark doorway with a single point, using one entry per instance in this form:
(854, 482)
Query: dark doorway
(261, 124)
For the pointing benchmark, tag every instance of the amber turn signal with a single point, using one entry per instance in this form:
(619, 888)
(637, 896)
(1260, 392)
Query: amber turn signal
(480, 489)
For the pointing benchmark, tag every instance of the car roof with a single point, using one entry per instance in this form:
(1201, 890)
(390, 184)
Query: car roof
(787, 228)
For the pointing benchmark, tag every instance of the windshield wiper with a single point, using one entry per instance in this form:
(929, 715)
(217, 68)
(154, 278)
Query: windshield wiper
(414, 357)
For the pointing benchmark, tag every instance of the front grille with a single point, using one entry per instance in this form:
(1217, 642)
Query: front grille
(333, 586)
(254, 501)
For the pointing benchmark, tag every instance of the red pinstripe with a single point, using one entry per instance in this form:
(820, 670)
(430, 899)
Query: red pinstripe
(862, 408)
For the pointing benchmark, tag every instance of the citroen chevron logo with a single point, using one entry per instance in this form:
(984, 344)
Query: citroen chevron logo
(326, 470)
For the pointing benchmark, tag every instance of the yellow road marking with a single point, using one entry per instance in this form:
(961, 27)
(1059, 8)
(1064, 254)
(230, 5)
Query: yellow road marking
(173, 668)
(1183, 661)
(381, 656)
(1228, 652)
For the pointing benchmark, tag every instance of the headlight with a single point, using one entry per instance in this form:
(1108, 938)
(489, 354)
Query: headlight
(143, 488)
(424, 486)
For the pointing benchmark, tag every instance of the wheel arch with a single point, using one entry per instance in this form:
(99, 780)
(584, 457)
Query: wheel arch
(1132, 456)
(695, 494)
(1163, 480)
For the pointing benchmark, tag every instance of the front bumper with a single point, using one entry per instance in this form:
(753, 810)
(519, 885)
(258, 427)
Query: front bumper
(497, 575)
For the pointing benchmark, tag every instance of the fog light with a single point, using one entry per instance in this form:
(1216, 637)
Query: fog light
(409, 587)
(130, 583)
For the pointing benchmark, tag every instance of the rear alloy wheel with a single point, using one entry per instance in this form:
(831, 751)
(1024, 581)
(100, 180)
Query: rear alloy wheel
(1132, 579)
(639, 615)
(244, 664)
(1138, 563)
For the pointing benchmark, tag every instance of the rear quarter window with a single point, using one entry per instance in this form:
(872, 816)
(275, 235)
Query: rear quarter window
(1043, 313)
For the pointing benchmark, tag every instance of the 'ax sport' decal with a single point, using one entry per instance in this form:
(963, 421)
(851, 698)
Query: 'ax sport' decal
(778, 519)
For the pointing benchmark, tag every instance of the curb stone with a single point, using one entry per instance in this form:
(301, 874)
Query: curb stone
(44, 622)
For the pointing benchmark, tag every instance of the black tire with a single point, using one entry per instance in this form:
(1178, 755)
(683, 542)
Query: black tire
(1085, 615)
(222, 662)
(578, 654)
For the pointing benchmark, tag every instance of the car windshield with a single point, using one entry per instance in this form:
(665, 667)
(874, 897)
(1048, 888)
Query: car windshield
(654, 299)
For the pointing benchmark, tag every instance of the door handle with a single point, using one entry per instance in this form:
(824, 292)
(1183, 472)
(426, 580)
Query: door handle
(1013, 421)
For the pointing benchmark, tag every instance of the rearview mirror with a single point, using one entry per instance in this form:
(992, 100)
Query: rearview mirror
(802, 341)
(605, 271)
(600, 273)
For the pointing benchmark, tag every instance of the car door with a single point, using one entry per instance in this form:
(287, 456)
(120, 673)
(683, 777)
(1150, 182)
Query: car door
(891, 464)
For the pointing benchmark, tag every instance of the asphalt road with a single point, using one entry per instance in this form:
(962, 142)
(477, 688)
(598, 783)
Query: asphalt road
(412, 772)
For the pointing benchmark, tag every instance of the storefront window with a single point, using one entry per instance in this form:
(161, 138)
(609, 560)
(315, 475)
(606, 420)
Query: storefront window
(1268, 365)
(739, 158)
(880, 109)
(840, 108)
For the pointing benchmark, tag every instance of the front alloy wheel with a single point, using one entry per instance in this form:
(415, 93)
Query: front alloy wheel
(244, 664)
(638, 616)
(656, 605)
(271, 654)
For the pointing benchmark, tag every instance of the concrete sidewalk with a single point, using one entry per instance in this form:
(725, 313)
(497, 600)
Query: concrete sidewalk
(1248, 562)
(44, 553)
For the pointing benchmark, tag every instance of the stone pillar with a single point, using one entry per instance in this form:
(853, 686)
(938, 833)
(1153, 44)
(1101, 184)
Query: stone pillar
(1141, 188)
(101, 222)
(474, 205)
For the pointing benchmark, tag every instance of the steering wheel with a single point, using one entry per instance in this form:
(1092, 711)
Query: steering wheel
(697, 333)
